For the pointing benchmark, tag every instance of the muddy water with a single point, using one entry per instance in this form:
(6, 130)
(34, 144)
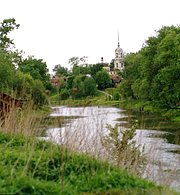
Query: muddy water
(159, 138)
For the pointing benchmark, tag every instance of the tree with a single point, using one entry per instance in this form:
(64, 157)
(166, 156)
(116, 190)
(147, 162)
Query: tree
(125, 89)
(103, 79)
(94, 68)
(89, 86)
(7, 72)
(23, 85)
(76, 61)
(6, 26)
(152, 73)
(60, 70)
(69, 82)
(166, 87)
(78, 86)
(38, 95)
(85, 70)
(36, 68)
(77, 64)
(112, 63)
(76, 70)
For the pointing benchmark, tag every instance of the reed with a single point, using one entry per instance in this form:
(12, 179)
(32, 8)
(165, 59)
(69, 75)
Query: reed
(30, 165)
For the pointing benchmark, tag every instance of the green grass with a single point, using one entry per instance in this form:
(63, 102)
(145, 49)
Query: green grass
(32, 166)
(99, 100)
(103, 100)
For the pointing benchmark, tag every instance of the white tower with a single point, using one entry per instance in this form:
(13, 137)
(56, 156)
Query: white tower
(118, 61)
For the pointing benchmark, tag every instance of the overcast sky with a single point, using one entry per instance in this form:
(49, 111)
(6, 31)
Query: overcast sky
(56, 30)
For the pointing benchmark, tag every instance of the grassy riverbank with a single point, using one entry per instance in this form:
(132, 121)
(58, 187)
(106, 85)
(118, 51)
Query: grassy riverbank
(29, 165)
(32, 166)
(104, 100)
(99, 100)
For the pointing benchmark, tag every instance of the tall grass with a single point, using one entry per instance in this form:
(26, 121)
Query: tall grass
(22, 121)
(29, 165)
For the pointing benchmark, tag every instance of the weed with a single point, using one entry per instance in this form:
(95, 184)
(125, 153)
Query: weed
(122, 149)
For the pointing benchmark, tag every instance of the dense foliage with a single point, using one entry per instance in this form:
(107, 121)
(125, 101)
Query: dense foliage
(153, 72)
(23, 78)
(31, 166)
(6, 26)
(81, 81)
(103, 79)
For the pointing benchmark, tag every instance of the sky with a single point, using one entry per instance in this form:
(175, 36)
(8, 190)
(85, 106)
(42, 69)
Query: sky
(56, 30)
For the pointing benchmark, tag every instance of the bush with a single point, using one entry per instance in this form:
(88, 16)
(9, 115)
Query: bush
(123, 150)
(64, 94)
(89, 86)
(116, 95)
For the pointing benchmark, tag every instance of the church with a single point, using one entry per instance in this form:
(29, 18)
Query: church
(119, 55)
(118, 64)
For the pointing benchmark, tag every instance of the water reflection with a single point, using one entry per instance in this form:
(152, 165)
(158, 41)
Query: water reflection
(153, 133)
(156, 122)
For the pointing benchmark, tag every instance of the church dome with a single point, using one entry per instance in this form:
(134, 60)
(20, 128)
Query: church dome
(119, 50)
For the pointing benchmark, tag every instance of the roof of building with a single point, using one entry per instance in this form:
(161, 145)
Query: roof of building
(116, 78)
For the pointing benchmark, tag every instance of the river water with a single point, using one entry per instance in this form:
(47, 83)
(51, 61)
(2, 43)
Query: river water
(85, 126)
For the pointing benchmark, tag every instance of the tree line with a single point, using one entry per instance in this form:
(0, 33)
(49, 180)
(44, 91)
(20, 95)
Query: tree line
(153, 73)
(29, 78)
(82, 80)
(24, 78)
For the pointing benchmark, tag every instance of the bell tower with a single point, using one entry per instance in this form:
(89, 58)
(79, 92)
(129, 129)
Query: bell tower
(118, 61)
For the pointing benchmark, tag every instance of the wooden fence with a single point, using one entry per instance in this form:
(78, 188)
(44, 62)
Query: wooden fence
(7, 103)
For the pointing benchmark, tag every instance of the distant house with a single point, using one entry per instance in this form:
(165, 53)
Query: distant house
(115, 80)
(55, 81)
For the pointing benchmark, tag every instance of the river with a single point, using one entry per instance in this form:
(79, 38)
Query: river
(85, 126)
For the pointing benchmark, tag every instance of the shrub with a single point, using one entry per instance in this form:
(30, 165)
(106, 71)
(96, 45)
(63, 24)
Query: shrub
(121, 147)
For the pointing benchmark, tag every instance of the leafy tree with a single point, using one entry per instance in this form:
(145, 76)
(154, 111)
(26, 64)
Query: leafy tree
(6, 26)
(168, 50)
(89, 86)
(103, 79)
(135, 88)
(166, 87)
(76, 61)
(69, 82)
(36, 68)
(125, 89)
(152, 73)
(60, 70)
(38, 94)
(83, 86)
(23, 85)
(85, 70)
(7, 72)
(78, 86)
(112, 63)
(132, 66)
(94, 68)
(76, 70)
